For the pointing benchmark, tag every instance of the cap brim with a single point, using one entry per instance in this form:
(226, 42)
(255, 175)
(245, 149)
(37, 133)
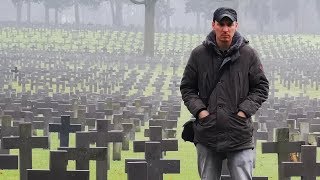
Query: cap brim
(226, 15)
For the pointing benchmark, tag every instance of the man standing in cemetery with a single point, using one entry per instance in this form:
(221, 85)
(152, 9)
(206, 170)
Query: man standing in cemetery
(223, 85)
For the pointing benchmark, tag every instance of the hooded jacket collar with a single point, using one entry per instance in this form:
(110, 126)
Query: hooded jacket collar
(237, 42)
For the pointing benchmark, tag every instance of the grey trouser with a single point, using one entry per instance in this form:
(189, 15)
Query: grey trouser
(240, 163)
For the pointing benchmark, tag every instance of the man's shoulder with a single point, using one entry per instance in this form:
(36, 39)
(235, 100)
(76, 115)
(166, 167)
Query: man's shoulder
(247, 49)
(199, 49)
(249, 52)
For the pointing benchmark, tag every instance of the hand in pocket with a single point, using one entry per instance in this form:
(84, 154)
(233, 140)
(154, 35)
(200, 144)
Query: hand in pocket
(241, 114)
(203, 114)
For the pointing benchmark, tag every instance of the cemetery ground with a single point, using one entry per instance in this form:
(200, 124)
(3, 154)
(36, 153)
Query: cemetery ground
(266, 164)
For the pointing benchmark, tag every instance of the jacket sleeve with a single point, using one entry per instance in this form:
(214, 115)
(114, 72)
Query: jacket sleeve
(258, 87)
(189, 87)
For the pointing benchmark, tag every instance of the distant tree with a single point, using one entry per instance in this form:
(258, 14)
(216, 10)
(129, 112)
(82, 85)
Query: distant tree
(18, 4)
(57, 5)
(260, 10)
(163, 13)
(76, 4)
(197, 7)
(211, 5)
(318, 7)
(29, 2)
(168, 14)
(60, 5)
(94, 4)
(204, 9)
(287, 8)
(116, 7)
(150, 6)
(91, 3)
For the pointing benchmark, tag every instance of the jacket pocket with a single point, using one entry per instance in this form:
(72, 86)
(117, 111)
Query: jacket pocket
(240, 129)
(206, 124)
(205, 129)
(209, 120)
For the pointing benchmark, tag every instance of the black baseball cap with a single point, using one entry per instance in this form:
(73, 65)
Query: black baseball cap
(222, 12)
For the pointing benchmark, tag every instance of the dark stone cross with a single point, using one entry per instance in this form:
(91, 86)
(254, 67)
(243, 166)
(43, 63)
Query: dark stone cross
(33, 47)
(7, 130)
(47, 114)
(127, 128)
(136, 124)
(155, 134)
(6, 127)
(15, 70)
(307, 169)
(81, 116)
(314, 127)
(25, 143)
(291, 123)
(8, 162)
(137, 170)
(102, 137)
(64, 128)
(58, 169)
(156, 166)
(271, 125)
(258, 134)
(262, 122)
(82, 153)
(282, 147)
(167, 126)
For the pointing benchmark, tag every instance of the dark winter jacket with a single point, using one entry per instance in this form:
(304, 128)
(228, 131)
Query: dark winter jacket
(242, 86)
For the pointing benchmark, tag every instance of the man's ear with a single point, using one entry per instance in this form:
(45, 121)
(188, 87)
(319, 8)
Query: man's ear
(237, 25)
(213, 25)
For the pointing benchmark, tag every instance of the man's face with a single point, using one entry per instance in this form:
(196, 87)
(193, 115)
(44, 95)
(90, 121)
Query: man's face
(224, 29)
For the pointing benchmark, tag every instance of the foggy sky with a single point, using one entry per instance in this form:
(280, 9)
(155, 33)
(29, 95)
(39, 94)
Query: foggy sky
(134, 14)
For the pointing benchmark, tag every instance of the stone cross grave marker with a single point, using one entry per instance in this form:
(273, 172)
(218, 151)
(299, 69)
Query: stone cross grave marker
(82, 153)
(137, 170)
(64, 128)
(307, 169)
(102, 137)
(282, 147)
(156, 166)
(8, 162)
(25, 143)
(7, 130)
(58, 169)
